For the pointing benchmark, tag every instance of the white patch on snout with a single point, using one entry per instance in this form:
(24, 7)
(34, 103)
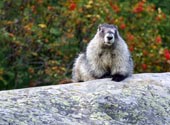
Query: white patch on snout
(107, 41)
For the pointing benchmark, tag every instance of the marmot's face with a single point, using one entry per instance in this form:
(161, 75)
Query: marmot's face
(107, 33)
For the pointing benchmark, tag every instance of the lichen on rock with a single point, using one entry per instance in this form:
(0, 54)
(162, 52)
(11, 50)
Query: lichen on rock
(143, 99)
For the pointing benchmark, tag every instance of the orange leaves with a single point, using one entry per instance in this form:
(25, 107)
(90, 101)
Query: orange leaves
(51, 8)
(53, 67)
(167, 54)
(130, 37)
(72, 6)
(9, 22)
(1, 72)
(161, 16)
(28, 26)
(158, 39)
(31, 70)
(69, 35)
(11, 34)
(151, 8)
(34, 9)
(122, 26)
(144, 66)
(139, 7)
(115, 8)
(39, 1)
(130, 40)
(41, 25)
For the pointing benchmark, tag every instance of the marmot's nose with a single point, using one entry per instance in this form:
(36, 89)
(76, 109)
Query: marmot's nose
(109, 37)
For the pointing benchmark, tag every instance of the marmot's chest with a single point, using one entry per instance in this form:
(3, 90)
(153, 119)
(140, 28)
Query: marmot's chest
(106, 59)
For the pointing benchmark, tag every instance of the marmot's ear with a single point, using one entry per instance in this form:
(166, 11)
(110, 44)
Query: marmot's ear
(116, 31)
(116, 34)
(99, 27)
(116, 27)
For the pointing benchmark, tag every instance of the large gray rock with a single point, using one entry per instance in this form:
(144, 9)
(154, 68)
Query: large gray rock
(143, 99)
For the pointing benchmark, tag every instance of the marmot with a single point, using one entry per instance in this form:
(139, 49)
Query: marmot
(107, 55)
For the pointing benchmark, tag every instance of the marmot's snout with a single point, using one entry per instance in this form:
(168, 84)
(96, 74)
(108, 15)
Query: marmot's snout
(109, 38)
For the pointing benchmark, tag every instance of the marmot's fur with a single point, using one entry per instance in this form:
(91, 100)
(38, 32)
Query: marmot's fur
(107, 55)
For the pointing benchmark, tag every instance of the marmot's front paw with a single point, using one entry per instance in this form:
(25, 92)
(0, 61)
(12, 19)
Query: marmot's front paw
(106, 75)
(118, 77)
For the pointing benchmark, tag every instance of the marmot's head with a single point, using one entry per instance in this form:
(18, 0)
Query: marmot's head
(107, 33)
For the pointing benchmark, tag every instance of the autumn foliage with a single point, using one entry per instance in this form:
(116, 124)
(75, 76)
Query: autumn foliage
(39, 39)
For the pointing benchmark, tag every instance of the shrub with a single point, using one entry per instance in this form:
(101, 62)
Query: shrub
(40, 40)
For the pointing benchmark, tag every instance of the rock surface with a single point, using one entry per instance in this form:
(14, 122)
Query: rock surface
(143, 99)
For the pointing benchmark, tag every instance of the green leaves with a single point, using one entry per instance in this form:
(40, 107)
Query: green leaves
(55, 32)
(40, 39)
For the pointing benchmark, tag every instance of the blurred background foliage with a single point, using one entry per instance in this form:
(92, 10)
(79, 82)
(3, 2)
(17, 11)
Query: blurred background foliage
(39, 39)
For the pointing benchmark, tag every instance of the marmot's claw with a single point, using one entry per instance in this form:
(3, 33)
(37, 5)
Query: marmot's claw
(118, 77)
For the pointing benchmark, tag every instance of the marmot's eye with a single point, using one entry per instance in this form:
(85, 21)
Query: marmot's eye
(102, 30)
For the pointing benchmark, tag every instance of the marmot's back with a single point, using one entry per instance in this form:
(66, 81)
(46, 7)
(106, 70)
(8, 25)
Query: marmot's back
(106, 55)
